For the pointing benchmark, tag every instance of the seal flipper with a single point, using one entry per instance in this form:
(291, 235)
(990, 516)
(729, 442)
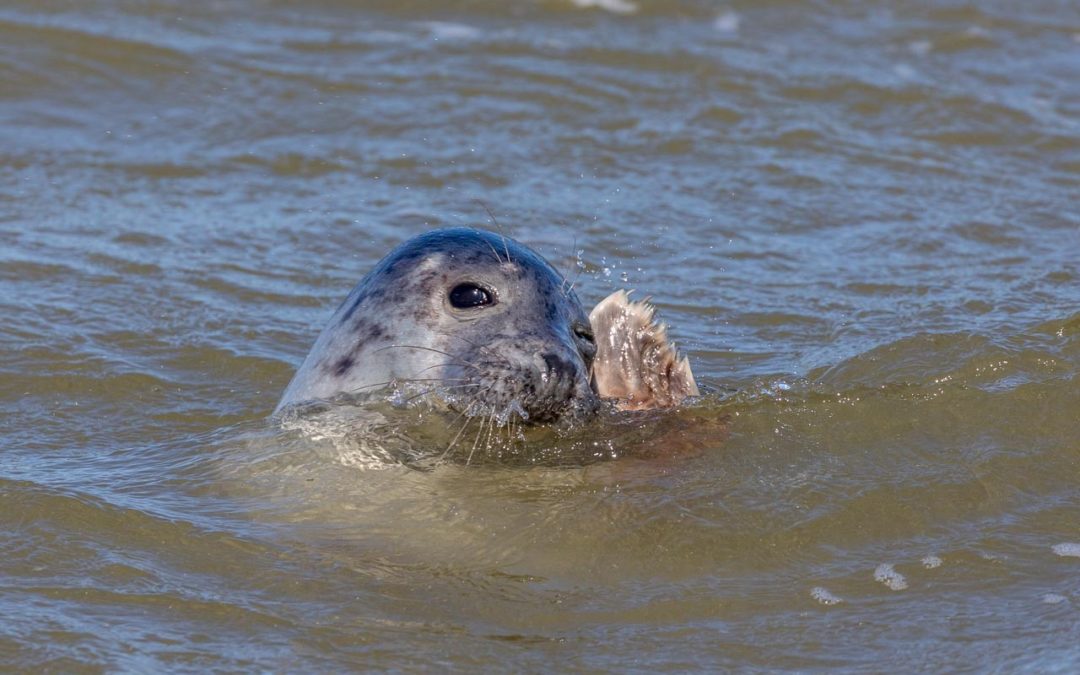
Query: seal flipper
(635, 363)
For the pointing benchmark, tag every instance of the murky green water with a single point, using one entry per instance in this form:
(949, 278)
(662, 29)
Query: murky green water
(860, 219)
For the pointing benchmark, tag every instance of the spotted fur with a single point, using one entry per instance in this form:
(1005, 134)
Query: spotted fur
(530, 351)
(526, 350)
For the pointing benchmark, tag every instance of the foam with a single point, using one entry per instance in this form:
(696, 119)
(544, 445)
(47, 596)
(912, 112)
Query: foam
(1067, 549)
(890, 577)
(824, 596)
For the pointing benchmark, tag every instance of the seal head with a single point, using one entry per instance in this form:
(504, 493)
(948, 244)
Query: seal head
(478, 319)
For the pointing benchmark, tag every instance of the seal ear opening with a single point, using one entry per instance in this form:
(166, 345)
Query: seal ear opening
(635, 364)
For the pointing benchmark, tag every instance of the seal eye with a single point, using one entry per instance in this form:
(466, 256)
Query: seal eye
(468, 295)
(585, 333)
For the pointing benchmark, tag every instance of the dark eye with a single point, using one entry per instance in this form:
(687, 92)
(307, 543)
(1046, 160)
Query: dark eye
(466, 296)
(585, 333)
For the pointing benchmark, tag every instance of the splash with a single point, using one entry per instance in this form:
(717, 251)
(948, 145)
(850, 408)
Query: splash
(886, 574)
(824, 596)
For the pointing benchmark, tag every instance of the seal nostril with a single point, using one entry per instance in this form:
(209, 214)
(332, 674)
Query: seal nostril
(558, 366)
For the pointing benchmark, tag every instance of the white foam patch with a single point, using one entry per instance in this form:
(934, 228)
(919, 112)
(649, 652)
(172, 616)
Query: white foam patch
(1067, 549)
(885, 574)
(824, 596)
(1053, 598)
(931, 561)
(614, 6)
(727, 22)
(445, 30)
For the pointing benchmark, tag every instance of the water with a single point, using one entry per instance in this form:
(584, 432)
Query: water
(860, 221)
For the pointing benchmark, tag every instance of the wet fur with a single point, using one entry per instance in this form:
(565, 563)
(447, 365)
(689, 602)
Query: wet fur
(523, 358)
(635, 364)
(396, 327)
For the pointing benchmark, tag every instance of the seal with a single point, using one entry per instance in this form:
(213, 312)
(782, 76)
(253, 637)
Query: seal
(484, 320)
(490, 327)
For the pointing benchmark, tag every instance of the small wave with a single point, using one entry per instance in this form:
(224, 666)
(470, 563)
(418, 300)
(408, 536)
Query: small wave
(1067, 549)
(613, 6)
(350, 433)
(445, 30)
(418, 427)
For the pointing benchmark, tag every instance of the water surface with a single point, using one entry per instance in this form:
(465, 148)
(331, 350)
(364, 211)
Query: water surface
(860, 221)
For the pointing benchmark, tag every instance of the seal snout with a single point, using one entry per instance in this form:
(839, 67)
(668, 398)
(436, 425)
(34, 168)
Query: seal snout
(554, 384)
(534, 377)
(559, 368)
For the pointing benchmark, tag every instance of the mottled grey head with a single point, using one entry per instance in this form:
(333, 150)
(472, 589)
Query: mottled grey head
(482, 320)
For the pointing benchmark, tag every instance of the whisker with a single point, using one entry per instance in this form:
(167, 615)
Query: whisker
(467, 413)
(494, 429)
(580, 265)
(370, 386)
(502, 233)
(479, 432)
(456, 360)
(562, 285)
(483, 348)
(491, 431)
(433, 389)
(468, 420)
(437, 365)
(409, 380)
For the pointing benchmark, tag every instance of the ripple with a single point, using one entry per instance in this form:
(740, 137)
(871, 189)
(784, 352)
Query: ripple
(862, 217)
